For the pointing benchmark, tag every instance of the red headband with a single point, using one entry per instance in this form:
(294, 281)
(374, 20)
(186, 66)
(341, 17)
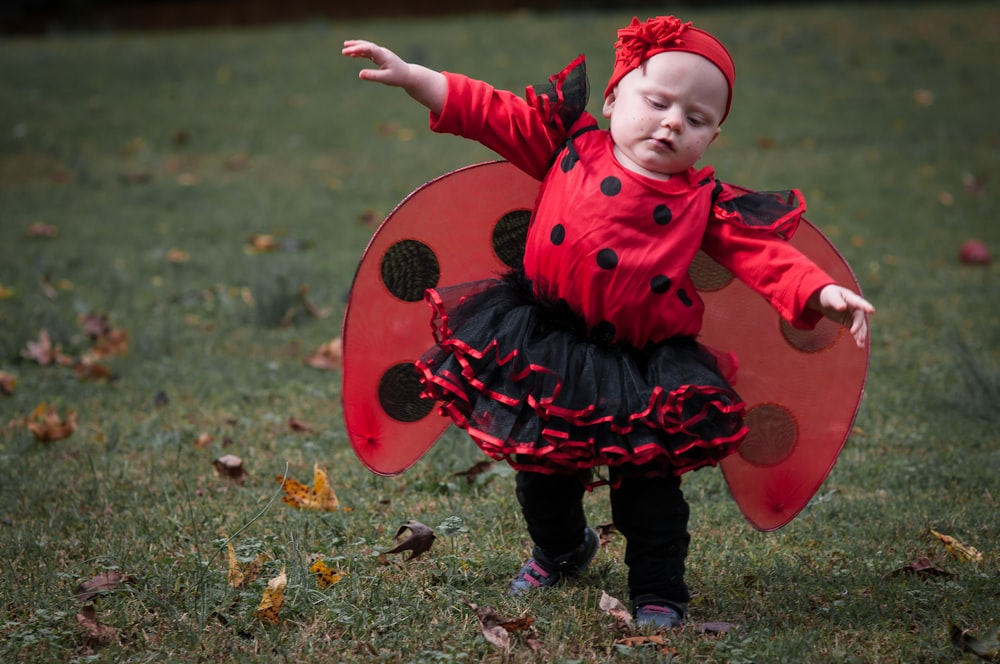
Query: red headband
(640, 41)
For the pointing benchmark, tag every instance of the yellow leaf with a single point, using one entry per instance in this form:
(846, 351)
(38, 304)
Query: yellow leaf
(47, 426)
(960, 551)
(325, 577)
(319, 497)
(235, 569)
(273, 599)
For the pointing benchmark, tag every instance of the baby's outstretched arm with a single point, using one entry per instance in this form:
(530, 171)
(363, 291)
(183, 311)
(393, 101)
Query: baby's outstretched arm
(845, 307)
(425, 85)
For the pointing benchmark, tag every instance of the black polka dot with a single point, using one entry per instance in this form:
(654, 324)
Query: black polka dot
(509, 236)
(662, 214)
(660, 284)
(607, 258)
(558, 234)
(409, 268)
(399, 393)
(684, 298)
(611, 186)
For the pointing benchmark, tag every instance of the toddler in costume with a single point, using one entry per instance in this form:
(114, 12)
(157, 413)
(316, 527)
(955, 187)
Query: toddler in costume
(587, 357)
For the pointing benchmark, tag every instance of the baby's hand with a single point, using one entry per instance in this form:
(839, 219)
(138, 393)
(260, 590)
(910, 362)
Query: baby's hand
(845, 307)
(392, 70)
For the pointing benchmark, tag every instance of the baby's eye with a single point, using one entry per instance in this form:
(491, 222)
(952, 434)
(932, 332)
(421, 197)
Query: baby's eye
(696, 121)
(657, 104)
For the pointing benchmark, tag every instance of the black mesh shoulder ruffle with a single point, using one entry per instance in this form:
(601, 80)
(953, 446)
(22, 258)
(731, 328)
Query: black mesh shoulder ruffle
(563, 99)
(775, 212)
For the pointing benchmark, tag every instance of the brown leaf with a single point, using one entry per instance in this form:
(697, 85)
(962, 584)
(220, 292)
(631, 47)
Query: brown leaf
(922, 567)
(96, 633)
(420, 539)
(96, 325)
(329, 356)
(100, 583)
(41, 229)
(614, 607)
(7, 383)
(272, 599)
(605, 531)
(475, 471)
(230, 467)
(203, 440)
(46, 425)
(298, 425)
(87, 370)
(259, 243)
(492, 626)
(44, 352)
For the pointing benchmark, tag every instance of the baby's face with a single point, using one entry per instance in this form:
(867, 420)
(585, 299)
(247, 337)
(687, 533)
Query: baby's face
(666, 113)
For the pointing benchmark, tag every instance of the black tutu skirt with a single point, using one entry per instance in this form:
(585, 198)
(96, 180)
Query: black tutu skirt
(533, 386)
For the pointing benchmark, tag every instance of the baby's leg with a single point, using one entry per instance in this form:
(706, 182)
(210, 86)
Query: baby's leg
(652, 514)
(552, 506)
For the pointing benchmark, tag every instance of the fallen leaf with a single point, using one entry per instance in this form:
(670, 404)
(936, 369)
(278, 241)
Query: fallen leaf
(96, 632)
(44, 352)
(493, 626)
(41, 229)
(7, 383)
(235, 576)
(178, 256)
(370, 217)
(241, 574)
(100, 583)
(298, 425)
(922, 567)
(715, 627)
(259, 243)
(614, 607)
(93, 371)
(203, 440)
(230, 467)
(958, 550)
(987, 648)
(46, 425)
(319, 497)
(475, 471)
(325, 577)
(112, 343)
(419, 541)
(605, 532)
(6, 292)
(272, 599)
(328, 356)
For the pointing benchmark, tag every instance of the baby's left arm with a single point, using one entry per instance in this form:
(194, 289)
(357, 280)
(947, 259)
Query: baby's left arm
(845, 307)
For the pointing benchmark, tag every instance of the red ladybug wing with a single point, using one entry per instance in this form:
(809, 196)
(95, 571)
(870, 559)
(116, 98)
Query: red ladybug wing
(456, 228)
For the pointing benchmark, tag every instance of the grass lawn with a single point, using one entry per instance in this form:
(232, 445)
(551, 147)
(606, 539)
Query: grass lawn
(209, 193)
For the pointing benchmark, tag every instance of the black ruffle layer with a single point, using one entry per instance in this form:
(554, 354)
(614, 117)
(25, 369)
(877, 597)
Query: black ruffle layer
(526, 379)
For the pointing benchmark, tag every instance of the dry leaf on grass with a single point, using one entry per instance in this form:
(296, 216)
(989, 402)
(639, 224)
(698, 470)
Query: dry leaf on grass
(325, 577)
(961, 551)
(100, 583)
(921, 567)
(97, 634)
(46, 425)
(477, 469)
(328, 356)
(44, 352)
(319, 497)
(230, 467)
(614, 607)
(241, 574)
(7, 383)
(496, 629)
(298, 425)
(419, 541)
(41, 229)
(272, 599)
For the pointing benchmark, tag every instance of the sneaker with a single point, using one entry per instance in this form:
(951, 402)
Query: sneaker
(658, 616)
(541, 571)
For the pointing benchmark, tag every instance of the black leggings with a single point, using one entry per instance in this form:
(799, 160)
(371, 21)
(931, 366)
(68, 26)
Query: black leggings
(650, 512)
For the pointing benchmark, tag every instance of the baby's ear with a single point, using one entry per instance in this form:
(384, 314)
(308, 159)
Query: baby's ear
(609, 103)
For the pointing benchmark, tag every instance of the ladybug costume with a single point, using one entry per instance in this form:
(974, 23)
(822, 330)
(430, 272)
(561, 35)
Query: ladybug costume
(587, 356)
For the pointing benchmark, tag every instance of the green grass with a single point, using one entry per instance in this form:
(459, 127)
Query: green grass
(826, 100)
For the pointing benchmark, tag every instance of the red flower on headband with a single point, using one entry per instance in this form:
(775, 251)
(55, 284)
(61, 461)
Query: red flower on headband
(638, 38)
